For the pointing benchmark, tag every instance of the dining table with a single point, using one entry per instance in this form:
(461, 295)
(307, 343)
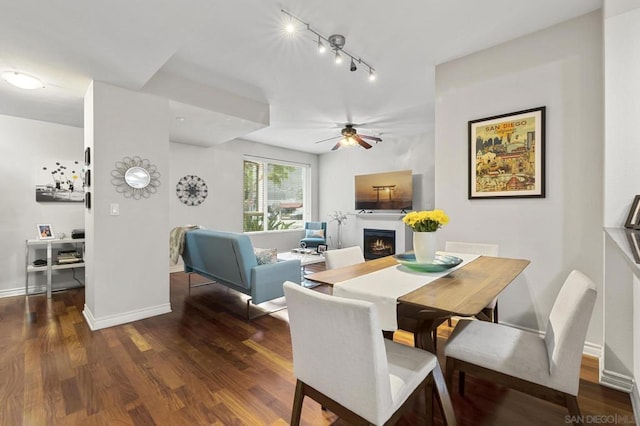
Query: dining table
(418, 301)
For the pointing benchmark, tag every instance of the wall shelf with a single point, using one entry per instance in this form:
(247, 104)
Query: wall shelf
(51, 265)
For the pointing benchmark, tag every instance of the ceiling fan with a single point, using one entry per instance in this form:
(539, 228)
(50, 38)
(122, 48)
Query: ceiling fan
(350, 137)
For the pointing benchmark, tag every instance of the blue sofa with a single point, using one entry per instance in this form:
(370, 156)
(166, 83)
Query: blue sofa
(228, 258)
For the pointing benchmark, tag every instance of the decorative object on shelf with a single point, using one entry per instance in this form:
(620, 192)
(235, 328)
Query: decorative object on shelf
(506, 155)
(633, 219)
(45, 231)
(321, 248)
(135, 177)
(340, 218)
(336, 42)
(58, 182)
(192, 190)
(424, 225)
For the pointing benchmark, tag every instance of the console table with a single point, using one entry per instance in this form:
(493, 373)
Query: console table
(51, 258)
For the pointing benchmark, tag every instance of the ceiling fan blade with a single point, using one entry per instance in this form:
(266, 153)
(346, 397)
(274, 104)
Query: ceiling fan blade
(362, 142)
(328, 139)
(373, 138)
(338, 145)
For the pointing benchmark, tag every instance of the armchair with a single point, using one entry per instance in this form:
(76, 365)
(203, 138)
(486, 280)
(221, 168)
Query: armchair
(315, 233)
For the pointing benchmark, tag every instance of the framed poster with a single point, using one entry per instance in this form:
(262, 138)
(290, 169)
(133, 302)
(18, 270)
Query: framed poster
(506, 155)
(634, 244)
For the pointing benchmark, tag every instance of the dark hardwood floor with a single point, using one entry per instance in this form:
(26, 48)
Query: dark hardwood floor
(204, 363)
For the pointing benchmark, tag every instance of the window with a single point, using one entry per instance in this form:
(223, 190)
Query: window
(274, 195)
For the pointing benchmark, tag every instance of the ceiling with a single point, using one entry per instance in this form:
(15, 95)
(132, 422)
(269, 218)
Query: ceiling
(239, 49)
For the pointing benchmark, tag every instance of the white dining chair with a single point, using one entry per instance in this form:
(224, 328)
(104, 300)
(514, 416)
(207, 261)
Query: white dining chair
(341, 360)
(343, 257)
(546, 367)
(491, 310)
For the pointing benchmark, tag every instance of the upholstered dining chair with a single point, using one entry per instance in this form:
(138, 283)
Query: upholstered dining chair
(484, 250)
(546, 367)
(341, 360)
(343, 257)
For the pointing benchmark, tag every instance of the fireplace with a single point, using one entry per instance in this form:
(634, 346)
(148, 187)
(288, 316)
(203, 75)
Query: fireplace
(379, 243)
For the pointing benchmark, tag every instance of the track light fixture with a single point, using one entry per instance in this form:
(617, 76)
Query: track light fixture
(336, 43)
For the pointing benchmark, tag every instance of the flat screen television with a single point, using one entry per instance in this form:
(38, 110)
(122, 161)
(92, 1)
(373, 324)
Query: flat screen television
(384, 191)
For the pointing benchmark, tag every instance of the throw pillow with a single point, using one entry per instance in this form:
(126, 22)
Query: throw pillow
(266, 256)
(314, 233)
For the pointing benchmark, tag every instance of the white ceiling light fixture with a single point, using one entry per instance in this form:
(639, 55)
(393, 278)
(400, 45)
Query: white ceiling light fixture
(22, 80)
(336, 43)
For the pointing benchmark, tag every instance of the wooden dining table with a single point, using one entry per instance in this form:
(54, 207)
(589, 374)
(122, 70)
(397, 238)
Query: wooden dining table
(465, 291)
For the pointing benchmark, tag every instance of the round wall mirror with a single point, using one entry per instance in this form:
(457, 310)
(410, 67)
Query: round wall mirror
(137, 177)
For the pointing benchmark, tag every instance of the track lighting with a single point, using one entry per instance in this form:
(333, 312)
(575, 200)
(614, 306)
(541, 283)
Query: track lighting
(321, 47)
(335, 42)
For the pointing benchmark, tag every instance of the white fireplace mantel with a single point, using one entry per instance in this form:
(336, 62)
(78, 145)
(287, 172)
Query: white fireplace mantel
(389, 221)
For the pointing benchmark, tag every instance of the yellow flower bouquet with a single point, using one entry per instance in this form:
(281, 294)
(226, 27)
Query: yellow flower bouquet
(426, 220)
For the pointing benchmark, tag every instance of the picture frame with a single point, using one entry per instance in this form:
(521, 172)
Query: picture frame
(507, 155)
(322, 248)
(87, 156)
(634, 243)
(87, 200)
(45, 231)
(87, 178)
(633, 218)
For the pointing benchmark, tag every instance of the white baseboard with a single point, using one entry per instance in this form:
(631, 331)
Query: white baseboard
(113, 320)
(618, 381)
(33, 290)
(635, 403)
(589, 349)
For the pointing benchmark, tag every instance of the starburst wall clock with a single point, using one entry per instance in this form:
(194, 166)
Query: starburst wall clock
(192, 190)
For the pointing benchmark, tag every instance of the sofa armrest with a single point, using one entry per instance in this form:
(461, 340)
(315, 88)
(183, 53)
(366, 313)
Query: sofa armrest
(267, 280)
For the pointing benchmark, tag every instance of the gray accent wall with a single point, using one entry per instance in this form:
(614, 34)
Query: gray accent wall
(560, 68)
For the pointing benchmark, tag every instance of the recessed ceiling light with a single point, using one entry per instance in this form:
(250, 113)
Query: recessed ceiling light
(22, 80)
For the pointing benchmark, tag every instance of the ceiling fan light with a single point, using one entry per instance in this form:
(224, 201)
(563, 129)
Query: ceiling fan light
(372, 75)
(338, 58)
(22, 80)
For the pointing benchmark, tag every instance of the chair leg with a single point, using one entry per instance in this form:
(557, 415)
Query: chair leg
(448, 373)
(428, 399)
(461, 377)
(574, 410)
(296, 412)
(495, 313)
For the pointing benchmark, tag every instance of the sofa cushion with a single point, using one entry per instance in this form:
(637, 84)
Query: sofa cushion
(266, 256)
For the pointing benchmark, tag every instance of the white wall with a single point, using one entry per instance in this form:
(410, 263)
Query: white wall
(221, 167)
(338, 168)
(25, 146)
(560, 68)
(622, 183)
(127, 271)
